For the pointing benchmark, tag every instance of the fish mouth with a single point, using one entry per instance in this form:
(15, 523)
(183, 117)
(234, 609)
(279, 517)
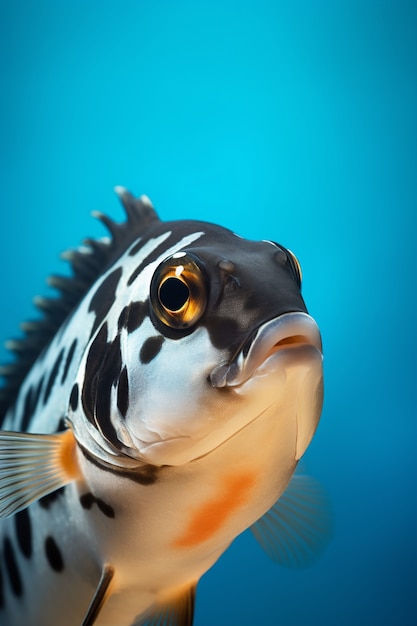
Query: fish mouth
(289, 332)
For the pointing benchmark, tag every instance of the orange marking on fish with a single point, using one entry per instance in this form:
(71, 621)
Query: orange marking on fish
(67, 455)
(208, 518)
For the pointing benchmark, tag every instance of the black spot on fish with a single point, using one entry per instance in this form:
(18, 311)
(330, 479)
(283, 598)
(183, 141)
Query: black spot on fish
(104, 297)
(150, 349)
(52, 376)
(92, 369)
(46, 501)
(138, 245)
(87, 500)
(132, 316)
(24, 532)
(12, 569)
(74, 397)
(137, 313)
(152, 256)
(61, 425)
(68, 361)
(27, 409)
(123, 393)
(53, 554)
(123, 317)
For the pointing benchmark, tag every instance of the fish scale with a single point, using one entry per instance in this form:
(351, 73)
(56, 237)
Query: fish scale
(156, 411)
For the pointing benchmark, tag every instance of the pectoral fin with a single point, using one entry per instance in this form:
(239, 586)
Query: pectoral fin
(176, 611)
(31, 466)
(102, 593)
(295, 531)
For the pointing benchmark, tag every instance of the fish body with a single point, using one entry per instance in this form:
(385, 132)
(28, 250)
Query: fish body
(169, 407)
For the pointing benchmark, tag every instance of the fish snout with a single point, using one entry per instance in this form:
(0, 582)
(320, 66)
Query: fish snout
(289, 333)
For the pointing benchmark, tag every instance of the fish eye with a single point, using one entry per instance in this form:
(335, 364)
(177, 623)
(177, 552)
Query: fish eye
(296, 265)
(179, 291)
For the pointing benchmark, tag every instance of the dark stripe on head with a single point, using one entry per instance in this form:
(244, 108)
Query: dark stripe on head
(107, 379)
(152, 256)
(24, 532)
(87, 500)
(104, 297)
(12, 569)
(151, 348)
(53, 375)
(53, 554)
(92, 368)
(68, 361)
(138, 245)
(123, 393)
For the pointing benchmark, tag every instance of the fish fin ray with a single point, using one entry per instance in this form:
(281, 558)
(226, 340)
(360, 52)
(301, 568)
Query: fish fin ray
(178, 611)
(296, 530)
(102, 593)
(32, 466)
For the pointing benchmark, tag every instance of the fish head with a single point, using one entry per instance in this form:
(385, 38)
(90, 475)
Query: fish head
(223, 337)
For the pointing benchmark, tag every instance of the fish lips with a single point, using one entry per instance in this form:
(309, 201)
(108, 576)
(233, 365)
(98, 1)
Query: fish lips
(289, 341)
(289, 334)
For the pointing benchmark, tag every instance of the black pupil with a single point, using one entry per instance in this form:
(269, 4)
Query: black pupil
(173, 294)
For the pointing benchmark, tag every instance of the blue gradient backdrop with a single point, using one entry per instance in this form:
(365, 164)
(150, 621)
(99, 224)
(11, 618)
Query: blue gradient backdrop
(294, 121)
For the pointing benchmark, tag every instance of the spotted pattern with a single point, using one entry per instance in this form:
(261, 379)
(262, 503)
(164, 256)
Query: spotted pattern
(12, 568)
(106, 375)
(87, 500)
(104, 298)
(53, 554)
(24, 532)
(151, 348)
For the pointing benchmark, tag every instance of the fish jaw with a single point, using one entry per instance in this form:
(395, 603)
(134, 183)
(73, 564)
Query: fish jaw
(279, 368)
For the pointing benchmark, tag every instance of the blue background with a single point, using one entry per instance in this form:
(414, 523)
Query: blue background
(293, 121)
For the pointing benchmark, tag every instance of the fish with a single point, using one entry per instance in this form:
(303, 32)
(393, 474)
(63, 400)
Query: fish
(156, 410)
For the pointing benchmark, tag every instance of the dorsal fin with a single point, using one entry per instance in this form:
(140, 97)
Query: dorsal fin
(87, 263)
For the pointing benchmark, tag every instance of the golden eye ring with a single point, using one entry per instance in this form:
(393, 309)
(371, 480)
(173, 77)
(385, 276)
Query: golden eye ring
(179, 291)
(297, 265)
